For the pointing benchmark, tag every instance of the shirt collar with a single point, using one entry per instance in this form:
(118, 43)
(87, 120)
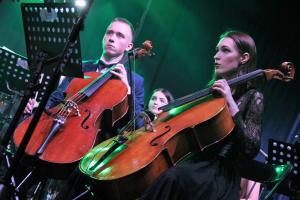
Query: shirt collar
(101, 65)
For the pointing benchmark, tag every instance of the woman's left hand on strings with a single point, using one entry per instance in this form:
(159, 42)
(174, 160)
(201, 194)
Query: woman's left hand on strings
(223, 88)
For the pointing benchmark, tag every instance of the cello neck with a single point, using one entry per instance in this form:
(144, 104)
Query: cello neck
(286, 73)
(246, 77)
(97, 83)
(143, 51)
(207, 91)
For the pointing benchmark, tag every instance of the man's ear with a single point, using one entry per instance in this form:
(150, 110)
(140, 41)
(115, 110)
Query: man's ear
(129, 46)
(244, 58)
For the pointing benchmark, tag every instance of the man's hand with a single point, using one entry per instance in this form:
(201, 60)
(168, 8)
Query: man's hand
(30, 106)
(121, 73)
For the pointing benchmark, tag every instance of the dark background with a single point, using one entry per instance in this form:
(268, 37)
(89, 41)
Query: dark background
(184, 34)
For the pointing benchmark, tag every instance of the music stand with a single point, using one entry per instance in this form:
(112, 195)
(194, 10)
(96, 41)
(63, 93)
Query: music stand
(13, 71)
(15, 74)
(47, 28)
(285, 153)
(38, 14)
(14, 78)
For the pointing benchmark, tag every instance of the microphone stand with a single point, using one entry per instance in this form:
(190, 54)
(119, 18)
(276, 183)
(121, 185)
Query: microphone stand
(132, 88)
(5, 187)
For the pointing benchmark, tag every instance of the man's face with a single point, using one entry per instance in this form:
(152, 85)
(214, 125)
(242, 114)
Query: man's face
(117, 39)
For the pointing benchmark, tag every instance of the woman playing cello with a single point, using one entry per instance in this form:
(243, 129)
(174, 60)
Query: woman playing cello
(212, 174)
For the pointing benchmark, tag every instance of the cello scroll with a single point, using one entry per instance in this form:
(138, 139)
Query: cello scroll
(145, 50)
(285, 73)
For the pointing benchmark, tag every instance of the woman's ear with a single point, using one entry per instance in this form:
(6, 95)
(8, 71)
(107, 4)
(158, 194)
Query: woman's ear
(244, 58)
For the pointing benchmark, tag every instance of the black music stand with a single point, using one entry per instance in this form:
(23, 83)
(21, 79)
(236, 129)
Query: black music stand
(15, 74)
(52, 36)
(283, 153)
(8, 107)
(47, 28)
(14, 78)
(13, 71)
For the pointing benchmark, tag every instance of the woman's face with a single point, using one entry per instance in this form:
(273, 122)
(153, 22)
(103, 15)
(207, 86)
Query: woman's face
(227, 58)
(158, 99)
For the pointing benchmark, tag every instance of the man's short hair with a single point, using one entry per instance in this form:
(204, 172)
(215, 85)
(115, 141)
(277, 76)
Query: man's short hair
(120, 19)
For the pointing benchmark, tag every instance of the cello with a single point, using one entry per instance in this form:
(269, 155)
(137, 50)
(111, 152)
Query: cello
(124, 166)
(68, 131)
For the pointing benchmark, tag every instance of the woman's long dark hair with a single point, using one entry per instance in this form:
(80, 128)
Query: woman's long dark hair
(245, 44)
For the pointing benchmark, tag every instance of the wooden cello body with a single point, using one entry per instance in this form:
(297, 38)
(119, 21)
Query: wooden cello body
(83, 121)
(65, 134)
(124, 166)
(148, 153)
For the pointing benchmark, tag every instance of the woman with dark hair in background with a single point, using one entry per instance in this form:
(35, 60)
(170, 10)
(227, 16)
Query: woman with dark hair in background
(159, 98)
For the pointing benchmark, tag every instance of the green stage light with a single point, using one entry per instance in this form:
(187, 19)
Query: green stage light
(80, 3)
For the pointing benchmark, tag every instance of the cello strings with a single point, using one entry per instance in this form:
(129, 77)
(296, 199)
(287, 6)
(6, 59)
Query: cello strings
(82, 95)
(127, 127)
(124, 132)
(100, 150)
(133, 95)
(78, 97)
